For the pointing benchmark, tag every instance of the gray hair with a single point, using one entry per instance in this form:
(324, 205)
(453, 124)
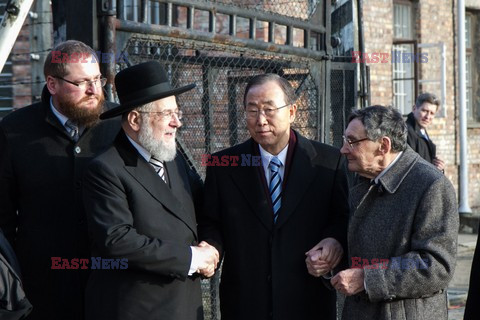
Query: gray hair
(429, 98)
(380, 121)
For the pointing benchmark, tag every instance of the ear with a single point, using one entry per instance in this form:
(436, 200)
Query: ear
(385, 145)
(292, 112)
(52, 85)
(134, 120)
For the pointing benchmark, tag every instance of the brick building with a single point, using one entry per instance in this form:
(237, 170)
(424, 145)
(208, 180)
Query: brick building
(419, 39)
(415, 44)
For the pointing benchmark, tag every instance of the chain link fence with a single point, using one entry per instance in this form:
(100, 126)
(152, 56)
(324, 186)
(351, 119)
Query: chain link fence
(214, 116)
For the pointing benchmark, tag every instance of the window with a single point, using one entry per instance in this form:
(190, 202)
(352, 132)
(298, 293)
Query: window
(404, 55)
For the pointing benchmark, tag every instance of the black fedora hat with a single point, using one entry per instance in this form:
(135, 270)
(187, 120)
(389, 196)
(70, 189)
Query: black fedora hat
(141, 84)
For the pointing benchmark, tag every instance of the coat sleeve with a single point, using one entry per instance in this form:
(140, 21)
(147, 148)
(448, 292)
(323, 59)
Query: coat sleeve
(429, 266)
(111, 224)
(209, 223)
(339, 208)
(8, 207)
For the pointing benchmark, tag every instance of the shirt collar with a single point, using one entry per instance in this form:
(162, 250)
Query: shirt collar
(143, 152)
(267, 156)
(63, 119)
(388, 167)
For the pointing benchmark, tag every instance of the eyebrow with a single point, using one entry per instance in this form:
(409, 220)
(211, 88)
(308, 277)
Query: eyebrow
(268, 103)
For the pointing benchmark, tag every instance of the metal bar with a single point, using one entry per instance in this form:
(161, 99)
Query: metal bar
(232, 111)
(462, 112)
(232, 25)
(206, 110)
(190, 17)
(181, 33)
(144, 11)
(271, 31)
(169, 14)
(247, 13)
(211, 22)
(252, 32)
(306, 39)
(289, 40)
(121, 9)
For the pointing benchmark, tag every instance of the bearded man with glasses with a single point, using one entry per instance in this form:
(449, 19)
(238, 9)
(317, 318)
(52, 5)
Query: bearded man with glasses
(280, 226)
(44, 149)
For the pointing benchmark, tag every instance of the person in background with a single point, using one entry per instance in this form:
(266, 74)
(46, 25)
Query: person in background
(418, 121)
(44, 149)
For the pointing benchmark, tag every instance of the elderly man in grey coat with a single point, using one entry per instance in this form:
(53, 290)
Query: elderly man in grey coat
(403, 225)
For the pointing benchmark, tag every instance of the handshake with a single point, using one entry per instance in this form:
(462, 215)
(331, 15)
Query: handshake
(205, 258)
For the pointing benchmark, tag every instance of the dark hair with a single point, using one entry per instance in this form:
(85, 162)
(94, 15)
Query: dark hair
(288, 91)
(427, 97)
(380, 121)
(56, 66)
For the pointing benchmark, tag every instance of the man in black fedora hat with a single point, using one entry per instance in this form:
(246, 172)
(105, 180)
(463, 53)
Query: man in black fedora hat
(140, 197)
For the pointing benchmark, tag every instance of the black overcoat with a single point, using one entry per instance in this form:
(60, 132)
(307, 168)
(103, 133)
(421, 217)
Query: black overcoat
(133, 215)
(41, 172)
(264, 275)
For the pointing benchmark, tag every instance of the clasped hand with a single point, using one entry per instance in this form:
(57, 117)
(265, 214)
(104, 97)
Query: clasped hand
(208, 259)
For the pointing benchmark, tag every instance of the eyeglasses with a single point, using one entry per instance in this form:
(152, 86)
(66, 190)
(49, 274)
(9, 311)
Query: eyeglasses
(267, 112)
(350, 143)
(87, 83)
(167, 114)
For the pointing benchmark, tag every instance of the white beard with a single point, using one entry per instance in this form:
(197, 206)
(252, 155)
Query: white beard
(159, 149)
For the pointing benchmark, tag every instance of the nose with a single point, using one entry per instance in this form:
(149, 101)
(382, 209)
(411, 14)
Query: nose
(92, 88)
(175, 122)
(261, 119)
(344, 149)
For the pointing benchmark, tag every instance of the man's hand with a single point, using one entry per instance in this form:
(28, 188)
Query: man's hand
(323, 257)
(349, 282)
(208, 259)
(439, 164)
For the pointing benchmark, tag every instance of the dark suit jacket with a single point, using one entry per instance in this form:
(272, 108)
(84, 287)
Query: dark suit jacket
(425, 148)
(472, 309)
(264, 275)
(134, 215)
(41, 179)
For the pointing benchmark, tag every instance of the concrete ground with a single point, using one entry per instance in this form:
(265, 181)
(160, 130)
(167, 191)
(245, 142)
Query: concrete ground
(458, 288)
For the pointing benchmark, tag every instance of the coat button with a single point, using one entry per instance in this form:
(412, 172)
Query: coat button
(78, 149)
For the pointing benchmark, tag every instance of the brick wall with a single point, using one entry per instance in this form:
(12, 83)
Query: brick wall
(434, 23)
(22, 94)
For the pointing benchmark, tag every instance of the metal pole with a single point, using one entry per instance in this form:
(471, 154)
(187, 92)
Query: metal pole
(363, 67)
(15, 14)
(463, 201)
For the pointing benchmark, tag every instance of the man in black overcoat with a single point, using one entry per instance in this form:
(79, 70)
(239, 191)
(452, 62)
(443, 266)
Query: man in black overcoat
(44, 149)
(277, 207)
(140, 197)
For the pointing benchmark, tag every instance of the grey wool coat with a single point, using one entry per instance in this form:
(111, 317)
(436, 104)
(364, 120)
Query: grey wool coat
(411, 219)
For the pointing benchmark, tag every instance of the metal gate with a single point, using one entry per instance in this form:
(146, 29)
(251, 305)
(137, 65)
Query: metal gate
(220, 45)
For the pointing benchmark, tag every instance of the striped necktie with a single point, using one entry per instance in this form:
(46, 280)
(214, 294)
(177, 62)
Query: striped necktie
(275, 186)
(159, 169)
(74, 134)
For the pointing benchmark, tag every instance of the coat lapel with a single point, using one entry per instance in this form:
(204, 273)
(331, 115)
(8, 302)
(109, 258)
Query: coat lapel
(299, 178)
(250, 184)
(146, 176)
